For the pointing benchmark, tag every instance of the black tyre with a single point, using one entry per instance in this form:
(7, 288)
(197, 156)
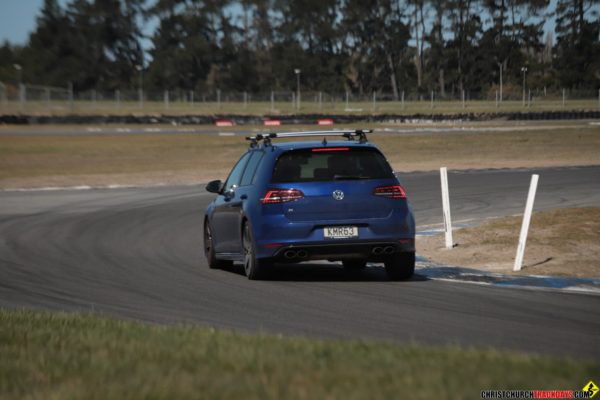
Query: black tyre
(354, 265)
(252, 266)
(209, 250)
(400, 266)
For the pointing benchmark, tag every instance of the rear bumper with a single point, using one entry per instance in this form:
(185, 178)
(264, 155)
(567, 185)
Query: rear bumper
(275, 234)
(369, 250)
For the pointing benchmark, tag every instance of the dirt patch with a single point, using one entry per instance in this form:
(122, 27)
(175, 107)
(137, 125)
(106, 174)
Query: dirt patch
(95, 160)
(561, 242)
(42, 161)
(151, 178)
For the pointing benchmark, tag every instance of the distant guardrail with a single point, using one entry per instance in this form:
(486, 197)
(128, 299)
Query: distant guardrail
(304, 119)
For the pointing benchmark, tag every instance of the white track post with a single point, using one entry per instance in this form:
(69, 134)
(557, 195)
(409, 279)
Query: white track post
(526, 221)
(22, 96)
(563, 98)
(432, 99)
(446, 207)
(4, 100)
(71, 102)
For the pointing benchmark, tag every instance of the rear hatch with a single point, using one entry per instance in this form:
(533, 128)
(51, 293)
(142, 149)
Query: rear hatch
(335, 184)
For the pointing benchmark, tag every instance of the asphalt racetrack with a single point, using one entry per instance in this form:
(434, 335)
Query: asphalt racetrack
(137, 253)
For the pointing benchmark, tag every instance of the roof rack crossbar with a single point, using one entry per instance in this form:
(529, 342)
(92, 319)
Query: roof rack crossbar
(348, 134)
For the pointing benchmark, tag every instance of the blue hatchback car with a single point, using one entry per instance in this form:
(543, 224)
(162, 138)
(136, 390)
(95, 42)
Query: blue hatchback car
(289, 202)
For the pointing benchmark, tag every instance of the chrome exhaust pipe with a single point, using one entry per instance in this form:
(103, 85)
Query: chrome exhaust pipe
(377, 250)
(388, 250)
(290, 254)
(302, 254)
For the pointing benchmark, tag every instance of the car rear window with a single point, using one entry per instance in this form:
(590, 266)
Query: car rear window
(329, 164)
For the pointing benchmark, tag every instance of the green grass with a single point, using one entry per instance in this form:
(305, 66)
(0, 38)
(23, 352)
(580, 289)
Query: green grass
(286, 108)
(56, 355)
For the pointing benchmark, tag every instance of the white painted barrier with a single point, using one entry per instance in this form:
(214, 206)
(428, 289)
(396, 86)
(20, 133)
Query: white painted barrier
(446, 207)
(526, 221)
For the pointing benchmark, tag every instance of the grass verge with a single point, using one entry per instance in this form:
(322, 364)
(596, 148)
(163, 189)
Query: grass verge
(55, 355)
(48, 160)
(561, 242)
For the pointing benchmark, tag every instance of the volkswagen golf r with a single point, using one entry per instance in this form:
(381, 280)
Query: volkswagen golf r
(289, 202)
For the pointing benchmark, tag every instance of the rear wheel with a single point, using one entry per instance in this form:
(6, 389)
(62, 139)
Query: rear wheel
(252, 265)
(400, 266)
(209, 250)
(354, 265)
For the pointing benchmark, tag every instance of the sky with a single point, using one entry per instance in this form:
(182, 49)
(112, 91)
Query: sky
(17, 19)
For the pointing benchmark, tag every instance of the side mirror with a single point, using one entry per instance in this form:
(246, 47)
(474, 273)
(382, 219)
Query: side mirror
(214, 186)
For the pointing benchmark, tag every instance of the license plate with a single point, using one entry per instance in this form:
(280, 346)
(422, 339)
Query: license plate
(340, 232)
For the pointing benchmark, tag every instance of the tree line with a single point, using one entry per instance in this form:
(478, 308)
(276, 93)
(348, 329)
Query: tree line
(361, 46)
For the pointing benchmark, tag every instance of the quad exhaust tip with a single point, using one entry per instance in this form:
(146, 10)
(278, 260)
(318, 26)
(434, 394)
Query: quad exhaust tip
(302, 254)
(383, 250)
(291, 254)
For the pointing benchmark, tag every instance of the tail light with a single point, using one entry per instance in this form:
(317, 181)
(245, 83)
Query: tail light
(276, 196)
(392, 192)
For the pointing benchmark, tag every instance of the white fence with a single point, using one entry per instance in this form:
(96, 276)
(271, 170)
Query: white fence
(32, 98)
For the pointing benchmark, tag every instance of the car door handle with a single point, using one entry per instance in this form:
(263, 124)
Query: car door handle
(244, 197)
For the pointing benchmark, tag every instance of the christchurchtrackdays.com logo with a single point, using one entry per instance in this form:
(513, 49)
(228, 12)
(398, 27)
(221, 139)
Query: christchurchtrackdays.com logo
(587, 392)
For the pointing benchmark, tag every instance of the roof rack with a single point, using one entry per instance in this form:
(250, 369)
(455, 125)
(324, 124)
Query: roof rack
(354, 134)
